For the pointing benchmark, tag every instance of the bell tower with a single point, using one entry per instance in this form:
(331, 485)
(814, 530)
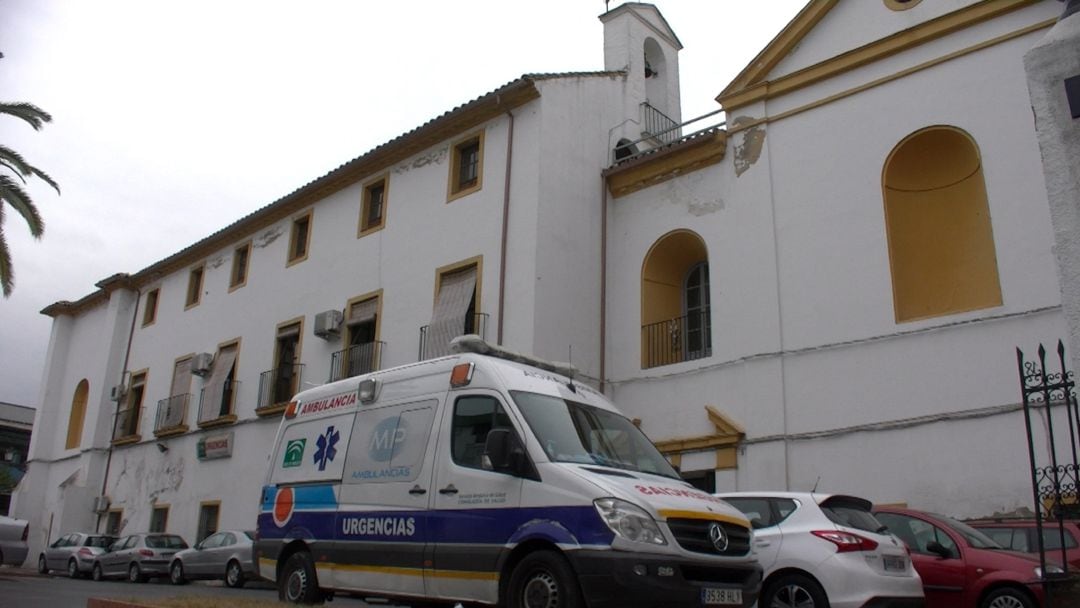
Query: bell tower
(639, 41)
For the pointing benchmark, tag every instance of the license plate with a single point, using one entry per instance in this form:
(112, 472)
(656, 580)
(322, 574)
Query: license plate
(711, 596)
(894, 563)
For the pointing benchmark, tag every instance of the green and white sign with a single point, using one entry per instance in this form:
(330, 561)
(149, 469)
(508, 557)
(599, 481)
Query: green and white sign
(294, 453)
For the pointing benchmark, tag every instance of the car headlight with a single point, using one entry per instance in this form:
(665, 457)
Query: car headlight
(629, 521)
(1050, 569)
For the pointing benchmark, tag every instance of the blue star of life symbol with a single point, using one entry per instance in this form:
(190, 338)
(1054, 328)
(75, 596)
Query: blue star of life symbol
(325, 444)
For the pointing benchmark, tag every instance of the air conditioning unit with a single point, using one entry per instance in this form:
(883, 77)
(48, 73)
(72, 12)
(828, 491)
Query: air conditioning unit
(201, 363)
(328, 324)
(117, 392)
(101, 504)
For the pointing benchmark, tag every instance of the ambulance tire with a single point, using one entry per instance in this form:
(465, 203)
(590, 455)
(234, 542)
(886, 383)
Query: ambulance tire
(544, 579)
(299, 584)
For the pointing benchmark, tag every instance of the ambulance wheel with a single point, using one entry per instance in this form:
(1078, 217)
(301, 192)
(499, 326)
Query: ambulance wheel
(299, 584)
(544, 579)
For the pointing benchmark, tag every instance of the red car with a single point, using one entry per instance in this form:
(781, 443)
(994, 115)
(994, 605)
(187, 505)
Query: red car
(1022, 535)
(963, 568)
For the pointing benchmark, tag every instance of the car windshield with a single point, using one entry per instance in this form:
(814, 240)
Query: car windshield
(99, 541)
(974, 537)
(166, 541)
(574, 432)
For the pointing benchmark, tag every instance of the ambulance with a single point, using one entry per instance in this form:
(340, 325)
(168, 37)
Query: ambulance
(488, 477)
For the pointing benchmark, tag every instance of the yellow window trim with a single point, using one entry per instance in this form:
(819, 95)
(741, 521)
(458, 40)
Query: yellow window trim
(149, 319)
(293, 233)
(440, 272)
(189, 301)
(365, 203)
(371, 295)
(233, 284)
(452, 193)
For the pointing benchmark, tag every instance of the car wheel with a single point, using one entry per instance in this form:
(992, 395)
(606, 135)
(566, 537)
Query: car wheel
(299, 583)
(176, 573)
(73, 568)
(794, 591)
(544, 579)
(234, 575)
(96, 573)
(42, 565)
(1007, 598)
(135, 575)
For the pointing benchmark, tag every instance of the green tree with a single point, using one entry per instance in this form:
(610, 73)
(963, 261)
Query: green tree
(12, 192)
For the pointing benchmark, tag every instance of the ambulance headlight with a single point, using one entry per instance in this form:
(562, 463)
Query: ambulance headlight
(629, 521)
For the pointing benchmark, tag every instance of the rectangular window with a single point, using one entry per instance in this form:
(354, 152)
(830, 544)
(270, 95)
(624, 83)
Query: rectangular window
(150, 308)
(474, 417)
(299, 239)
(455, 313)
(219, 391)
(238, 278)
(362, 329)
(286, 361)
(466, 166)
(374, 207)
(159, 518)
(113, 521)
(127, 419)
(208, 519)
(194, 288)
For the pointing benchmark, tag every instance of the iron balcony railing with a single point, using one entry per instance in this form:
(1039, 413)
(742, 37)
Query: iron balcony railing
(126, 423)
(676, 340)
(474, 324)
(216, 401)
(279, 385)
(356, 360)
(171, 412)
(656, 124)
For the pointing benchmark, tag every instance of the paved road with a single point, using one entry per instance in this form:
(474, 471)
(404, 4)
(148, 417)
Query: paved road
(25, 588)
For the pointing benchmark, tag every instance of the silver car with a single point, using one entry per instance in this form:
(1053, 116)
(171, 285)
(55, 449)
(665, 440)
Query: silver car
(13, 545)
(138, 557)
(224, 555)
(74, 553)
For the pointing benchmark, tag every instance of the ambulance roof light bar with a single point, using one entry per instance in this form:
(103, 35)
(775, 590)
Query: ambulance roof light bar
(473, 343)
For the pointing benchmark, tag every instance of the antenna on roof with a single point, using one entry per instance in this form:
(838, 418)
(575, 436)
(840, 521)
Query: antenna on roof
(607, 7)
(572, 370)
(815, 484)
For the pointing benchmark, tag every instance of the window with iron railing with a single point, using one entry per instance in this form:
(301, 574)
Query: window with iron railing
(676, 340)
(277, 386)
(216, 400)
(171, 413)
(356, 360)
(473, 323)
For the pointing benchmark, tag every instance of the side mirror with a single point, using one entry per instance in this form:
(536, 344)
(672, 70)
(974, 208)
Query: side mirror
(502, 452)
(938, 549)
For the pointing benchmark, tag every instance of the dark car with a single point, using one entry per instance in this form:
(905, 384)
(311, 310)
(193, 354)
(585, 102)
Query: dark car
(225, 555)
(1022, 535)
(137, 557)
(963, 568)
(74, 553)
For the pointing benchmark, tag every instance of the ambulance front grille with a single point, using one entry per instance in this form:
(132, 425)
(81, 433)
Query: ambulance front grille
(693, 535)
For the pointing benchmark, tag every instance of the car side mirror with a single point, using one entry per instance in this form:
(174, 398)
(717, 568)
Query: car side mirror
(938, 549)
(502, 452)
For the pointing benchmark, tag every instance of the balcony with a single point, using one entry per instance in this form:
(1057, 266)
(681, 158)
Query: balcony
(676, 340)
(474, 324)
(356, 360)
(216, 404)
(172, 415)
(658, 126)
(126, 426)
(276, 387)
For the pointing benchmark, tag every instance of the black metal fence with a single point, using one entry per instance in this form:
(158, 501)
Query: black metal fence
(171, 412)
(676, 340)
(1051, 395)
(279, 385)
(356, 360)
(216, 401)
(126, 423)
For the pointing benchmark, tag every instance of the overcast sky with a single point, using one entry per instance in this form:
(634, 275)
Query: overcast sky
(173, 119)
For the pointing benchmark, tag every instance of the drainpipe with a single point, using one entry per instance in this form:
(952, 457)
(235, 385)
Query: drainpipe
(505, 226)
(127, 355)
(603, 284)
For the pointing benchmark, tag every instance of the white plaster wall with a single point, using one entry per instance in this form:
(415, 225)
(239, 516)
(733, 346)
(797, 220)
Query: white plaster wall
(854, 23)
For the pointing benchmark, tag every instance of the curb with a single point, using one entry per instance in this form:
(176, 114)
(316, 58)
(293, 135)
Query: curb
(97, 602)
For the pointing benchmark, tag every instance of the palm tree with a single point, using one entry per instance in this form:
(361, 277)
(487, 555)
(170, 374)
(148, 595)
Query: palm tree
(12, 192)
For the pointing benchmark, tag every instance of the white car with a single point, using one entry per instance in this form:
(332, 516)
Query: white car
(822, 550)
(13, 545)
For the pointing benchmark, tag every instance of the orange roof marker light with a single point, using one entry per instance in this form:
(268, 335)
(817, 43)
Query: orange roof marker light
(291, 409)
(462, 375)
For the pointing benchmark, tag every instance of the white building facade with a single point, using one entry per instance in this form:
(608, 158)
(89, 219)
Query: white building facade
(760, 295)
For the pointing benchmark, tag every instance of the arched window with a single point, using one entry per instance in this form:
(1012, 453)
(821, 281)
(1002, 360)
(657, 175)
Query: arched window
(656, 76)
(78, 414)
(676, 321)
(937, 219)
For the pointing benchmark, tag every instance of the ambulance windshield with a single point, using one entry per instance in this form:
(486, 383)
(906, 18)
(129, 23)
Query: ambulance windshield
(575, 432)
